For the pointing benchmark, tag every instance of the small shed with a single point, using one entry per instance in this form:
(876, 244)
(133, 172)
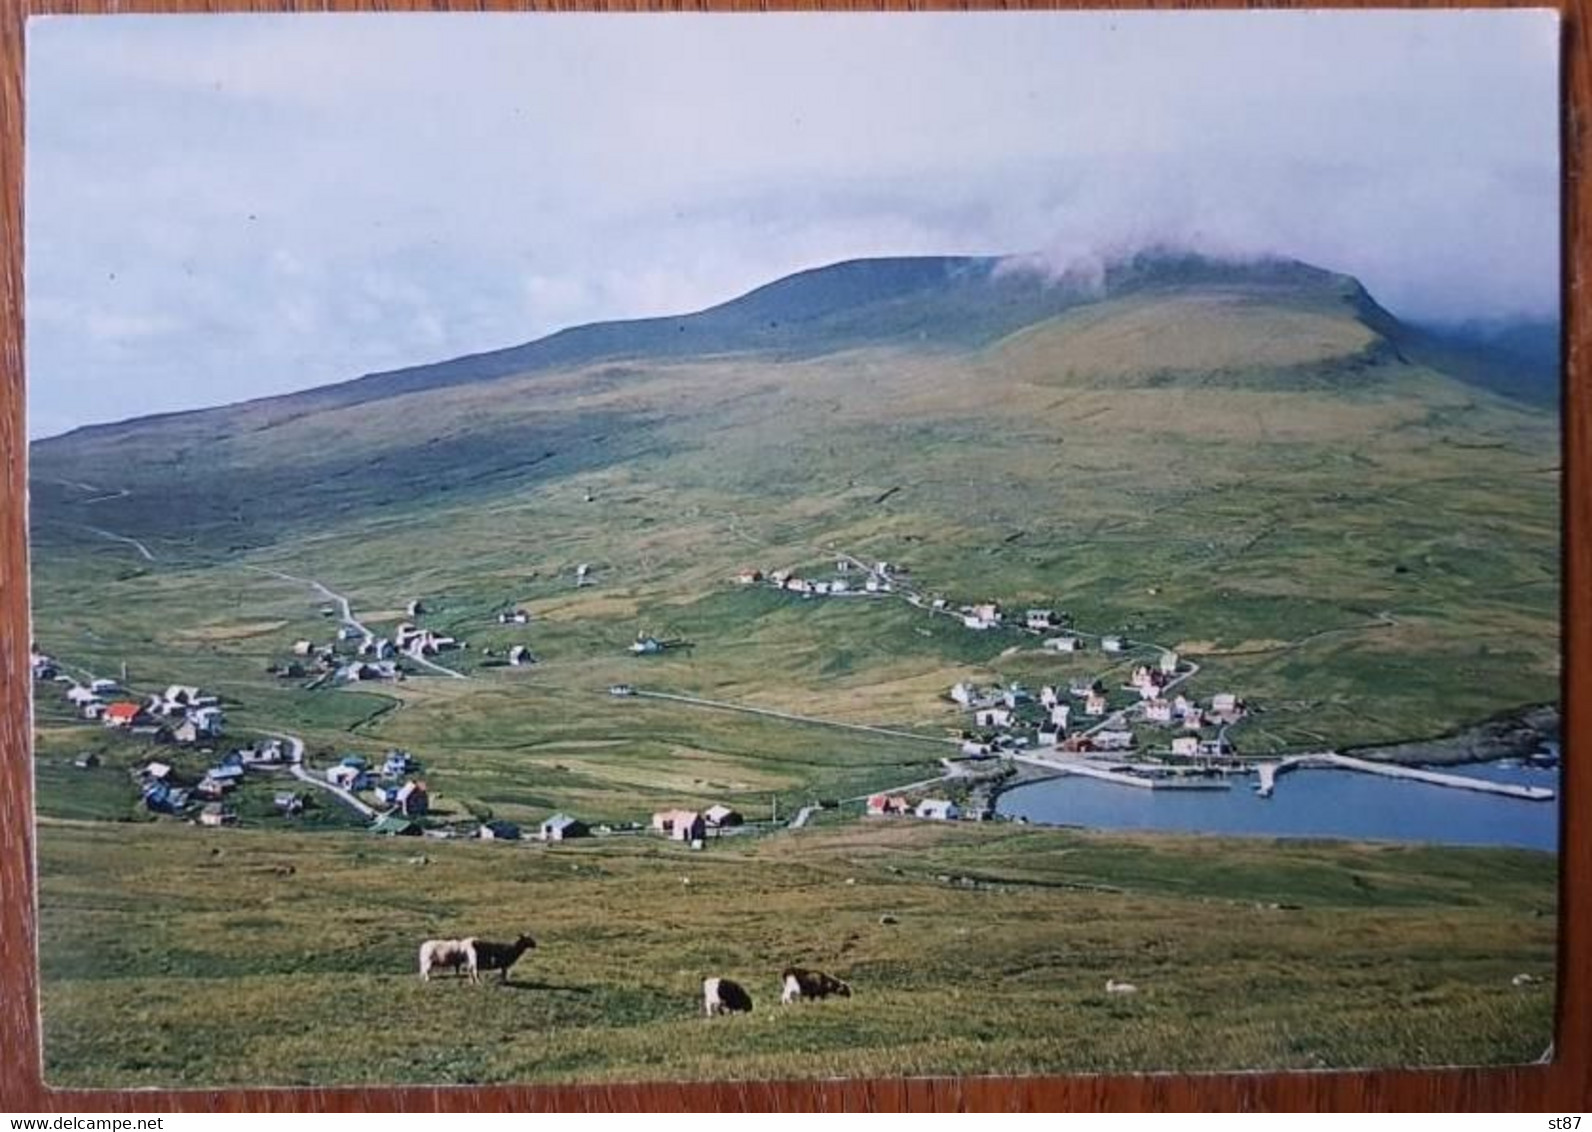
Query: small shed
(214, 813)
(86, 760)
(394, 826)
(499, 830)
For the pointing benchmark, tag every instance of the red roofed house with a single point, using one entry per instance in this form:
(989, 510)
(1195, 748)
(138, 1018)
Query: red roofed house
(124, 714)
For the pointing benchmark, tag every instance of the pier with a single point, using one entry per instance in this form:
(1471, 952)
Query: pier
(1327, 760)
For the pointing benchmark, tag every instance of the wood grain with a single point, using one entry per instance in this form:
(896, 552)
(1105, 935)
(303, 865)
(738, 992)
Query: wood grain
(1565, 1085)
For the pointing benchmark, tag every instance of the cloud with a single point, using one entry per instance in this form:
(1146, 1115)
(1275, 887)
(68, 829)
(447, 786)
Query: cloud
(221, 207)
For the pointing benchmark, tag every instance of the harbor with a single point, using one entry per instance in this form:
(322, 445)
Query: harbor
(1328, 800)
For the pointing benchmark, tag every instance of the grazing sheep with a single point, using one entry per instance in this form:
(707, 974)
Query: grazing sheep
(801, 983)
(456, 953)
(724, 996)
(1114, 987)
(497, 957)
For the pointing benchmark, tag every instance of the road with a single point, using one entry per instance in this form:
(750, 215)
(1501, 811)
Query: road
(347, 617)
(304, 776)
(296, 769)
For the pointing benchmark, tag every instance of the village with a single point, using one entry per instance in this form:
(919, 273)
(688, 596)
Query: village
(1143, 731)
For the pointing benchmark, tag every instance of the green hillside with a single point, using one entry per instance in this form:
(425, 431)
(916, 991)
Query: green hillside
(1253, 464)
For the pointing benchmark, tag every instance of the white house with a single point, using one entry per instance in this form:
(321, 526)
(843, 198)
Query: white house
(1158, 711)
(1186, 746)
(102, 686)
(1049, 735)
(520, 655)
(1059, 715)
(1095, 704)
(1040, 618)
(80, 695)
(1048, 697)
(993, 717)
(1224, 703)
(938, 809)
(1169, 663)
(1113, 740)
(973, 749)
(963, 694)
(1111, 644)
(343, 775)
(1063, 644)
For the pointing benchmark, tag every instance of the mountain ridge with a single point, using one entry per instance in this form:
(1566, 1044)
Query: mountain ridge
(933, 302)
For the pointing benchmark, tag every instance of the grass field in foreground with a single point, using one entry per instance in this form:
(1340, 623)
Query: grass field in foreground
(175, 956)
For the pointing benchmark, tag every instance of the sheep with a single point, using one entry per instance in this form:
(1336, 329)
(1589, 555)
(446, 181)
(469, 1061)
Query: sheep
(456, 953)
(1114, 987)
(801, 983)
(724, 996)
(497, 957)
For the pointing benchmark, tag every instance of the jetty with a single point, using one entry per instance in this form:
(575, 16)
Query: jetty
(1328, 760)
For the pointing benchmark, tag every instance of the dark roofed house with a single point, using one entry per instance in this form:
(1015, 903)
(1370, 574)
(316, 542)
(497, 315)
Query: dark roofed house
(562, 827)
(499, 830)
(394, 826)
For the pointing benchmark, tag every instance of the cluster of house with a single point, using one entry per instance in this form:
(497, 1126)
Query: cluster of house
(877, 579)
(182, 714)
(373, 658)
(1006, 716)
(677, 825)
(897, 805)
(356, 655)
(391, 783)
(693, 826)
(163, 795)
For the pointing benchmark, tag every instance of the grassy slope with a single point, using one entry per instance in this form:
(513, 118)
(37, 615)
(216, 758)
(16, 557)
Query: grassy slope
(1393, 955)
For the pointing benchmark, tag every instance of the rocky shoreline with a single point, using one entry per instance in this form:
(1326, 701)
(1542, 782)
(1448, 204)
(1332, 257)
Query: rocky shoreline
(1511, 736)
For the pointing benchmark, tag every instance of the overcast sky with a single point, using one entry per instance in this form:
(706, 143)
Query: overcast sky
(222, 207)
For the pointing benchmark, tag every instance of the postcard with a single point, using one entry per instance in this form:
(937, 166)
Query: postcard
(589, 548)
